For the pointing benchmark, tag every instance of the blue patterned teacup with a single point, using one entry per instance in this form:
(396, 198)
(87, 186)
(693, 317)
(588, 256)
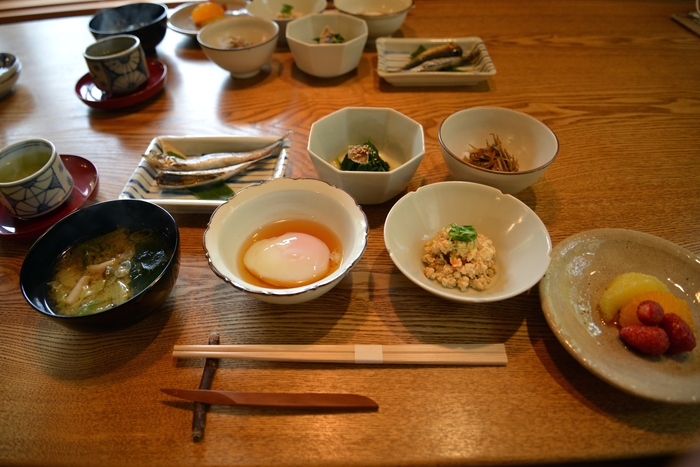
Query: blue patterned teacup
(117, 64)
(33, 179)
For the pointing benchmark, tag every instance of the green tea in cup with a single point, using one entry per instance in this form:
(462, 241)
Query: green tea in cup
(33, 178)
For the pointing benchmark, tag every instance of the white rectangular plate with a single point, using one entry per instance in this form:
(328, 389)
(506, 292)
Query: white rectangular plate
(392, 54)
(142, 184)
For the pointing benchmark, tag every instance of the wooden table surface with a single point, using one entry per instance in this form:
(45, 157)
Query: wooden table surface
(618, 82)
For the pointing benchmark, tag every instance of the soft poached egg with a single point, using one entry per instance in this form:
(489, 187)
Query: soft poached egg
(290, 260)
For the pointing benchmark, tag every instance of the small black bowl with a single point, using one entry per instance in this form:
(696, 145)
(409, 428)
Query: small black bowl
(88, 223)
(147, 21)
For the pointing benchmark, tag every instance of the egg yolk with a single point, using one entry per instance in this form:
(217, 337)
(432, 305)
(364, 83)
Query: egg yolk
(290, 260)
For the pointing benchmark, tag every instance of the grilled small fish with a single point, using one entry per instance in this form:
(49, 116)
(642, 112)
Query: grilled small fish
(194, 178)
(451, 49)
(445, 63)
(217, 160)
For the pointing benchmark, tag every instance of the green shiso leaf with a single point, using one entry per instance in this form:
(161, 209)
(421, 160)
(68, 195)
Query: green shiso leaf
(418, 51)
(462, 233)
(217, 191)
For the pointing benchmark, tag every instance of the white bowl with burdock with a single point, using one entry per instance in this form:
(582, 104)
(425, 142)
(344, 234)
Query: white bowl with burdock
(370, 152)
(467, 242)
(498, 147)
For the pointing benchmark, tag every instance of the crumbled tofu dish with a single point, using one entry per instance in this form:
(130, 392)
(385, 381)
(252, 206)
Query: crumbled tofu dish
(459, 257)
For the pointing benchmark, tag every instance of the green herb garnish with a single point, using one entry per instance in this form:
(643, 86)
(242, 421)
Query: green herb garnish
(374, 162)
(462, 233)
(286, 10)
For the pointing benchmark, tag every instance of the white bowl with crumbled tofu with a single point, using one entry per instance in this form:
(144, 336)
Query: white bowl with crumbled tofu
(467, 242)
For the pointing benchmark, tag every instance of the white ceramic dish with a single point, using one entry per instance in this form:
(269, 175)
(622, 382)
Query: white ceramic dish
(398, 139)
(383, 18)
(283, 199)
(180, 20)
(271, 9)
(12, 68)
(392, 54)
(244, 61)
(327, 60)
(520, 238)
(531, 142)
(582, 266)
(142, 184)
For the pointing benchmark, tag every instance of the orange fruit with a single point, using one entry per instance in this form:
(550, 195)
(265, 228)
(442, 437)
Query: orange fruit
(669, 302)
(206, 13)
(623, 288)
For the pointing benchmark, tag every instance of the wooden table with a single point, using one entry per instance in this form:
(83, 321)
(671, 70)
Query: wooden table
(619, 83)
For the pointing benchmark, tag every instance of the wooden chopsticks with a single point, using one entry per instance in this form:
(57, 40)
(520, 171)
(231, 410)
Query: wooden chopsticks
(420, 354)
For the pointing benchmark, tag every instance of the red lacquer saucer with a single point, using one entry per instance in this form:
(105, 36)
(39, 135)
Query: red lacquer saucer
(95, 97)
(85, 181)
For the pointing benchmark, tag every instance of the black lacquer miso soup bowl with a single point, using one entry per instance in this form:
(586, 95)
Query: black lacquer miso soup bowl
(105, 266)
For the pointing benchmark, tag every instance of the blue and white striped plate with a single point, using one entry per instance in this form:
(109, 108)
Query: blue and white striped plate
(142, 184)
(392, 54)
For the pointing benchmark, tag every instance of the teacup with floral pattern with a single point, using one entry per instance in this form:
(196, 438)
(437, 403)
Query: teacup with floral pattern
(117, 64)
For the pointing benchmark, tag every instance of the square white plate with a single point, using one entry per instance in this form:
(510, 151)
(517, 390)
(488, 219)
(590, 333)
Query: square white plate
(142, 184)
(392, 54)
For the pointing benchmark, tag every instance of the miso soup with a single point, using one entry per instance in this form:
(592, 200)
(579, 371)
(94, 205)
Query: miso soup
(106, 271)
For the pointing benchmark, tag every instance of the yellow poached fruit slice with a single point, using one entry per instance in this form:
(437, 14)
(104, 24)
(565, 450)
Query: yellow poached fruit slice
(669, 302)
(625, 287)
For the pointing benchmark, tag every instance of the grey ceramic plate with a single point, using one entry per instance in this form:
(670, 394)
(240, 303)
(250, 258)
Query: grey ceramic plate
(180, 19)
(581, 267)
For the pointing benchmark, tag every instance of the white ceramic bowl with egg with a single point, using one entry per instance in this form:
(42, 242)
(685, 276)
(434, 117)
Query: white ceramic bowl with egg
(399, 141)
(327, 60)
(519, 236)
(531, 142)
(383, 18)
(241, 45)
(273, 10)
(255, 209)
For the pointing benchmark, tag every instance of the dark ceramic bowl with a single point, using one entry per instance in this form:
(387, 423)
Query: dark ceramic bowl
(147, 21)
(86, 224)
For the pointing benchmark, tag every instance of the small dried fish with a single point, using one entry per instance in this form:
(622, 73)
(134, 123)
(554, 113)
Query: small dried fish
(160, 161)
(445, 63)
(194, 178)
(451, 49)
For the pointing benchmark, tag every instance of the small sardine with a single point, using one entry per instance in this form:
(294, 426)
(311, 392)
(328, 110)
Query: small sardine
(451, 49)
(194, 178)
(445, 63)
(209, 161)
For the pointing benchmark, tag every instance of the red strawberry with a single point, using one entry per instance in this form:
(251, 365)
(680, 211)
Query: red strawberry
(650, 313)
(679, 333)
(650, 340)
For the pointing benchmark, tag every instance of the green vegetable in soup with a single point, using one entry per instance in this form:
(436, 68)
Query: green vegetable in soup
(363, 158)
(106, 271)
